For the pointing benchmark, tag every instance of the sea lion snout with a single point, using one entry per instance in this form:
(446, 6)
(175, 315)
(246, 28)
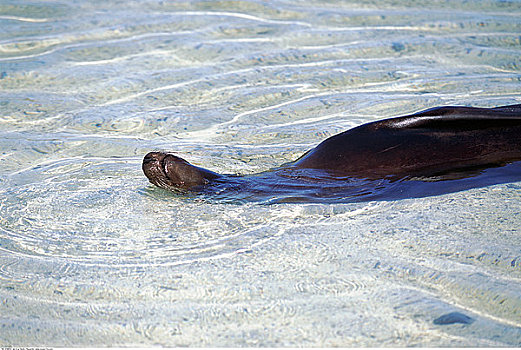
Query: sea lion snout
(169, 171)
(153, 157)
(153, 168)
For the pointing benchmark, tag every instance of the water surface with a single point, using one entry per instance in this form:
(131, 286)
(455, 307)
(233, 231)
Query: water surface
(91, 254)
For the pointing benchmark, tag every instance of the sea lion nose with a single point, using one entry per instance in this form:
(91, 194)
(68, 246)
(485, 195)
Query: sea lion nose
(147, 159)
(151, 157)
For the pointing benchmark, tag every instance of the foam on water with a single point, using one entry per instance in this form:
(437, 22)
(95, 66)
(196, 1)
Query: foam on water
(91, 254)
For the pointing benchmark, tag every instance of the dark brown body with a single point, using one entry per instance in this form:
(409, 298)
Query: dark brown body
(429, 143)
(423, 144)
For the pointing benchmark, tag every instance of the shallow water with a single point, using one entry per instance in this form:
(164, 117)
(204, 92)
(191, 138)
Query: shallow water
(91, 254)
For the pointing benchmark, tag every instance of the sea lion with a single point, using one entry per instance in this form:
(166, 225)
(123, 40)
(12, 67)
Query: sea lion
(439, 143)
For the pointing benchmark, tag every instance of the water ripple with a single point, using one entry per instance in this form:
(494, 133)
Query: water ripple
(92, 255)
(62, 223)
(240, 16)
(25, 19)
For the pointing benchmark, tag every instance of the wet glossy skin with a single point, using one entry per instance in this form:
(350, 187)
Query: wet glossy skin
(171, 172)
(430, 143)
(424, 144)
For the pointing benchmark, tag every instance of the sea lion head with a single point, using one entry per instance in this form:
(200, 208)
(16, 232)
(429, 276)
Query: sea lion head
(171, 172)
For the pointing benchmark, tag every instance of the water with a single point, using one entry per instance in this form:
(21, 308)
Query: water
(91, 254)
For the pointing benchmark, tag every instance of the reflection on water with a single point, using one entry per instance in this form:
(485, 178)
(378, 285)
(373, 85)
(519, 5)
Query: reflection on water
(90, 254)
(293, 185)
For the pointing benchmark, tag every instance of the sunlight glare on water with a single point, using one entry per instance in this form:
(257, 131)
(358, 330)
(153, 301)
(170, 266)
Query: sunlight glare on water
(93, 255)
